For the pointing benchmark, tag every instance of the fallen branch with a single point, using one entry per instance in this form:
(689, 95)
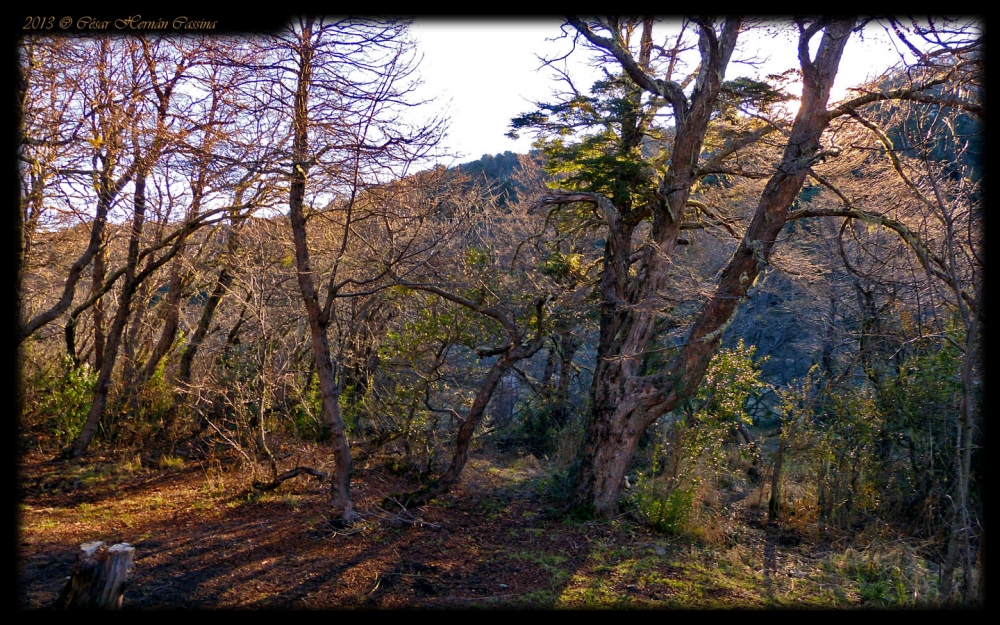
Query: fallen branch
(408, 517)
(287, 475)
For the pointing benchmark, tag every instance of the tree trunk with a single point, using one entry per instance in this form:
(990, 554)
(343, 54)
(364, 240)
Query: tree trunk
(978, 598)
(512, 356)
(170, 325)
(222, 285)
(568, 346)
(607, 450)
(134, 335)
(774, 503)
(465, 432)
(341, 477)
(96, 284)
(960, 538)
(968, 421)
(623, 404)
(97, 281)
(330, 393)
(70, 334)
(951, 557)
(99, 577)
(187, 357)
(177, 279)
(117, 327)
(108, 193)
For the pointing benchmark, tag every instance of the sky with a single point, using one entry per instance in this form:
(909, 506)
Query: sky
(481, 73)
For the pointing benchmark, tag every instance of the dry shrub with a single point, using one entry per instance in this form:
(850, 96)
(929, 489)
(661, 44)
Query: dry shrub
(800, 509)
(130, 463)
(760, 495)
(889, 574)
(706, 524)
(691, 512)
(738, 465)
(527, 463)
(568, 444)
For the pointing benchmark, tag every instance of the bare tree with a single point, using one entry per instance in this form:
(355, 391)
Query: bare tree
(343, 81)
(98, 105)
(921, 125)
(153, 126)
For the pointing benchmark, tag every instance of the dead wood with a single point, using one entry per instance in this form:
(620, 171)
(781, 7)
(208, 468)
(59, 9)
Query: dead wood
(287, 475)
(99, 577)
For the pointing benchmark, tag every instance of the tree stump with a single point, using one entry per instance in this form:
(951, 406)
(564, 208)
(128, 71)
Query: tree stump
(99, 577)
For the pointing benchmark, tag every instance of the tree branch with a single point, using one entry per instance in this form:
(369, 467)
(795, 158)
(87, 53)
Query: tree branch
(666, 89)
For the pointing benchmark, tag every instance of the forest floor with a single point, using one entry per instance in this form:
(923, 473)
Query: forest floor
(201, 541)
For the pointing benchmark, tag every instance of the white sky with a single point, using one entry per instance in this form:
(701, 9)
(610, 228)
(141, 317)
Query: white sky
(484, 72)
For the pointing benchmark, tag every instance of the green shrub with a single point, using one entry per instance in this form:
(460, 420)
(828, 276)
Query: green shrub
(63, 397)
(667, 513)
(307, 415)
(895, 576)
(690, 457)
(885, 448)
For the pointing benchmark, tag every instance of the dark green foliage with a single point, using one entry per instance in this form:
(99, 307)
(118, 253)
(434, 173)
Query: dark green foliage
(59, 399)
(750, 94)
(886, 450)
(594, 143)
(538, 431)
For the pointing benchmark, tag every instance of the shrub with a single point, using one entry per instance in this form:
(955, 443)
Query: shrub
(888, 576)
(62, 398)
(170, 463)
(690, 456)
(666, 513)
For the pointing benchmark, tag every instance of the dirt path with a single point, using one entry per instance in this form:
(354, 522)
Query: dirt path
(492, 542)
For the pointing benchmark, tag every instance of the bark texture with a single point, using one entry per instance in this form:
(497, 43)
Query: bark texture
(624, 404)
(100, 399)
(476, 412)
(318, 321)
(100, 575)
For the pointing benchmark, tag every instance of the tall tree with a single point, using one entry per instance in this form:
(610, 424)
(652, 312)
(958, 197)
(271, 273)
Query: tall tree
(95, 98)
(147, 145)
(154, 123)
(627, 189)
(343, 81)
(923, 130)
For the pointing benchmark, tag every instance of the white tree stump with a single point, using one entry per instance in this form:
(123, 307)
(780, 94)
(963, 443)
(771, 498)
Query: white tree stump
(99, 577)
